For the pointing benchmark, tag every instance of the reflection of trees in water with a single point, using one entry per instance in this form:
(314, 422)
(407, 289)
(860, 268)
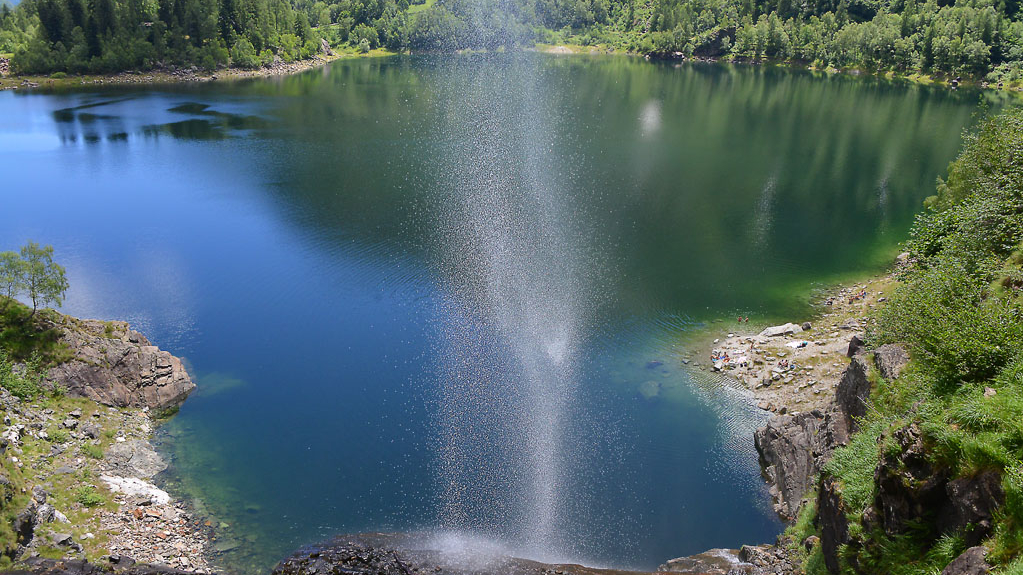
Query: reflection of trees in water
(74, 125)
(683, 200)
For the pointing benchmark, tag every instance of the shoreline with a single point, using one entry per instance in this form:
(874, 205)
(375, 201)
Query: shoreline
(191, 74)
(788, 379)
(86, 480)
(182, 75)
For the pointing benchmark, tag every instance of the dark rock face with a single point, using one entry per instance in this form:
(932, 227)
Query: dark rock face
(971, 562)
(831, 519)
(890, 359)
(856, 346)
(790, 448)
(908, 487)
(852, 392)
(117, 366)
(971, 504)
(405, 554)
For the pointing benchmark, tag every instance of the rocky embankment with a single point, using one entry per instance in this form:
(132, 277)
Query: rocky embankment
(78, 468)
(167, 74)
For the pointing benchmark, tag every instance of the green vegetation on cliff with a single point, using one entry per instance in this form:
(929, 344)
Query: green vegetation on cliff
(938, 464)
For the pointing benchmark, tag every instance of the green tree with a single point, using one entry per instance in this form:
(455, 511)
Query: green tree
(44, 281)
(12, 276)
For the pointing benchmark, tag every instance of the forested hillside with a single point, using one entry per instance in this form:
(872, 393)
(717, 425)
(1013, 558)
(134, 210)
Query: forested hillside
(978, 38)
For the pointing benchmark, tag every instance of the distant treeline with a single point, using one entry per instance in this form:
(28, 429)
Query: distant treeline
(969, 37)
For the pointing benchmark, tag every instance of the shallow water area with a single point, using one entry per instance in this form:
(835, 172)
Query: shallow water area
(445, 294)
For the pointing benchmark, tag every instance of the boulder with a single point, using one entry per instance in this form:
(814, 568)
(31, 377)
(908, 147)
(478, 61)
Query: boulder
(117, 366)
(786, 329)
(971, 562)
(134, 487)
(852, 392)
(133, 458)
(832, 522)
(890, 359)
(971, 505)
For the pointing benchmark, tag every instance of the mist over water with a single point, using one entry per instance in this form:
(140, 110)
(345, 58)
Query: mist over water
(517, 303)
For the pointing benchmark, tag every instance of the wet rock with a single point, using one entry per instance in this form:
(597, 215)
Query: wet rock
(832, 522)
(807, 326)
(971, 505)
(852, 392)
(971, 562)
(711, 562)
(117, 366)
(890, 359)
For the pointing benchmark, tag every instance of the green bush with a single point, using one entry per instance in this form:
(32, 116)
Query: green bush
(87, 496)
(243, 55)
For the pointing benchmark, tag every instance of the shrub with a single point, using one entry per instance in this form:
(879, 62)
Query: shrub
(87, 496)
(243, 55)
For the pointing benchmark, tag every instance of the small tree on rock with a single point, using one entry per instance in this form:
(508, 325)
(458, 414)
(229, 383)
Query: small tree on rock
(12, 276)
(44, 281)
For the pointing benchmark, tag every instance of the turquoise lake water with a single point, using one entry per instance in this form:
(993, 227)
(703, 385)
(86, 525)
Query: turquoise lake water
(424, 293)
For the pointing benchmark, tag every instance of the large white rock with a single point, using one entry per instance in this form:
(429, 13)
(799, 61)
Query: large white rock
(133, 486)
(786, 329)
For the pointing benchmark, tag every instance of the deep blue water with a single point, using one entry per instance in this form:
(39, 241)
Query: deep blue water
(360, 264)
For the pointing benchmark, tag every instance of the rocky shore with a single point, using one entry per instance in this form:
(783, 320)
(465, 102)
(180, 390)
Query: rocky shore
(78, 468)
(164, 74)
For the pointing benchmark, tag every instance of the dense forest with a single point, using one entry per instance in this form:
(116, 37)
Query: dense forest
(977, 38)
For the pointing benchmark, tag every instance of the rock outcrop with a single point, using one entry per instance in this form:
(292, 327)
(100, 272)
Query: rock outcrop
(115, 365)
(971, 505)
(852, 393)
(890, 359)
(792, 450)
(711, 562)
(404, 554)
(908, 487)
(832, 522)
(971, 562)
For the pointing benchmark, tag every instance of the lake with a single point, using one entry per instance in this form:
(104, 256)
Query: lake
(449, 294)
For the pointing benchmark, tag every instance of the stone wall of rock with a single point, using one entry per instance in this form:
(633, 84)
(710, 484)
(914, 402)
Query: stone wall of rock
(115, 365)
